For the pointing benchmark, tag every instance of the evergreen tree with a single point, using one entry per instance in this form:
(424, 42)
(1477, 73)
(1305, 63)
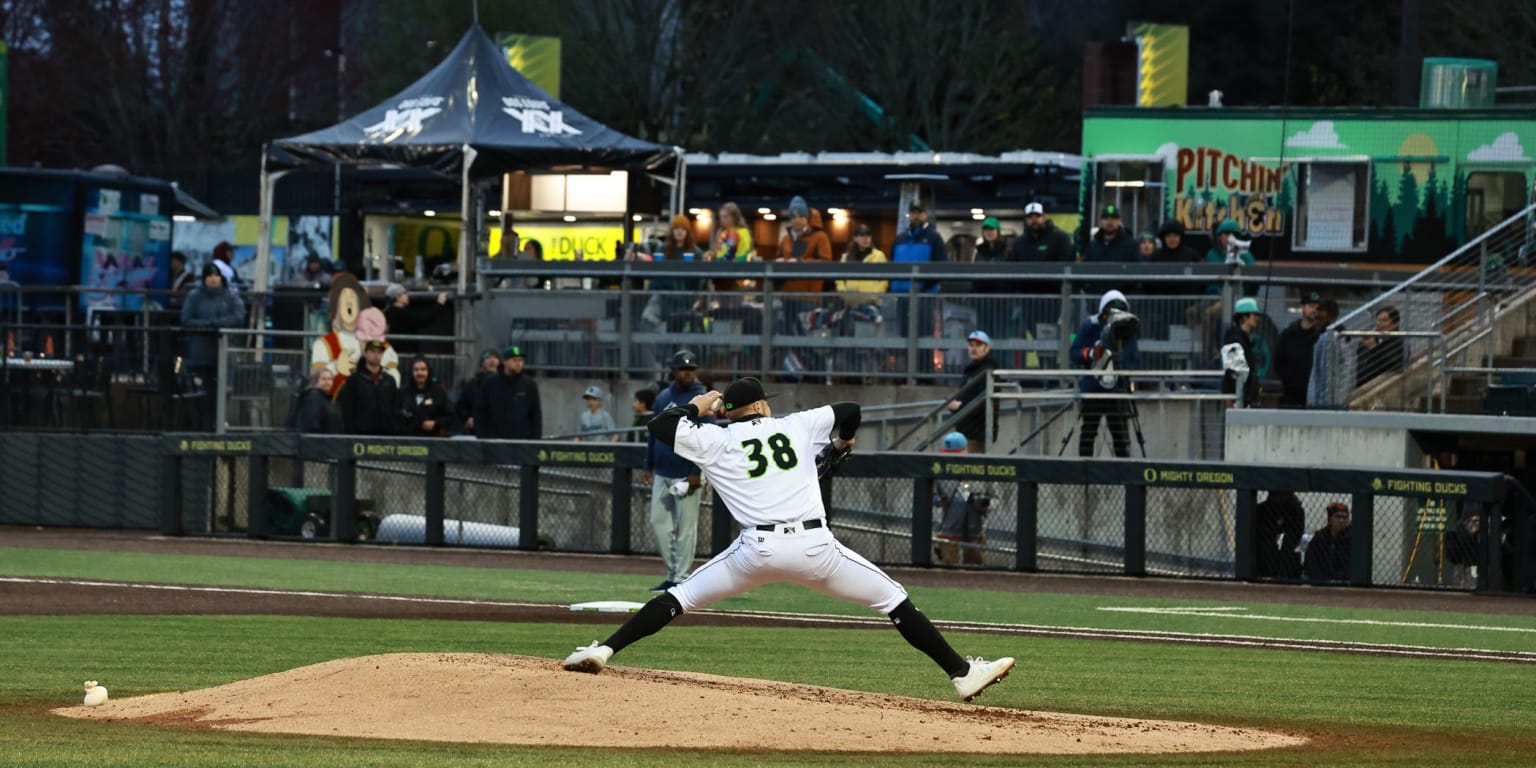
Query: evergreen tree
(1406, 211)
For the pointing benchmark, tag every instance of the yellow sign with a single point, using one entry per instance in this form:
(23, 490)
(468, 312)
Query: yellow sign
(1197, 476)
(376, 450)
(1162, 74)
(597, 242)
(537, 58)
(215, 446)
(578, 457)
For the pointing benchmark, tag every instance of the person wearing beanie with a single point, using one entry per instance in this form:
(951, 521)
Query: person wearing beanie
(208, 308)
(803, 240)
(1170, 237)
(507, 407)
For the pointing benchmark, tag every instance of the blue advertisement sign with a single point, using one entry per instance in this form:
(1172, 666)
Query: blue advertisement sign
(127, 246)
(31, 239)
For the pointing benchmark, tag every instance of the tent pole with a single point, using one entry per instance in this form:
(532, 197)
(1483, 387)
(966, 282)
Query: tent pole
(466, 220)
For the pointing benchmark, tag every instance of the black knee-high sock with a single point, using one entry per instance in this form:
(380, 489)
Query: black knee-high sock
(647, 621)
(924, 636)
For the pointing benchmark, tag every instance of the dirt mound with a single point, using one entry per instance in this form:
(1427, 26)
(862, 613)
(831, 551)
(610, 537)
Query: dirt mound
(521, 700)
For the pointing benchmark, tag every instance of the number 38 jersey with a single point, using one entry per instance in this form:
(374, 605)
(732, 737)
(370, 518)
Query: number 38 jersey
(764, 469)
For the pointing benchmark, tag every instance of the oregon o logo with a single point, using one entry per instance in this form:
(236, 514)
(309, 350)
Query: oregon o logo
(1375, 483)
(1149, 474)
(358, 449)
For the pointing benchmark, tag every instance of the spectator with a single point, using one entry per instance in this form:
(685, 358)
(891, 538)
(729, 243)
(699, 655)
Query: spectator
(1245, 318)
(1293, 353)
(406, 320)
(1225, 251)
(862, 250)
(469, 390)
(1041, 240)
(962, 508)
(314, 413)
(595, 418)
(1328, 551)
(369, 399)
(1146, 247)
(182, 280)
(1173, 250)
(643, 408)
(1277, 527)
(674, 515)
(990, 247)
(507, 406)
(1317, 383)
(1466, 548)
(1381, 354)
(974, 426)
(223, 258)
(424, 403)
(733, 242)
(1105, 343)
(919, 242)
(670, 308)
(211, 307)
(317, 272)
(804, 240)
(1110, 243)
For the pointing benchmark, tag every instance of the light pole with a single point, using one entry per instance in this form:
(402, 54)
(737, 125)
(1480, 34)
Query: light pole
(340, 55)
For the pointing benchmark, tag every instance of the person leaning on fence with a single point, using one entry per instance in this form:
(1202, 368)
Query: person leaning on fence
(1107, 344)
(1328, 551)
(369, 400)
(595, 419)
(1245, 318)
(1293, 351)
(1380, 355)
(314, 412)
(962, 513)
(424, 403)
(862, 250)
(642, 408)
(207, 309)
(978, 347)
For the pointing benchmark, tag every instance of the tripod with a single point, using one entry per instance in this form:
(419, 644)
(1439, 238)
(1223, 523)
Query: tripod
(1128, 411)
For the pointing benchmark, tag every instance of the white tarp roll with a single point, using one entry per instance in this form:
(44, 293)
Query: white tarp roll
(412, 529)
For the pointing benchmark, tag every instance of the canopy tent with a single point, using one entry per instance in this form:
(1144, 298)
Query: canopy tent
(474, 117)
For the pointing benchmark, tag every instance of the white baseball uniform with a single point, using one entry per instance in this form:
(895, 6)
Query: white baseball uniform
(765, 471)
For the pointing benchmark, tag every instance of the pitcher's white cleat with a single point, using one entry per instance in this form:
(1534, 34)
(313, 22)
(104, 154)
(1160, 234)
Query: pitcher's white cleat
(590, 659)
(970, 685)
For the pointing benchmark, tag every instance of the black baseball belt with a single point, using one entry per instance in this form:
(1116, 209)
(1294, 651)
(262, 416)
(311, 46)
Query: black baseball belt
(807, 525)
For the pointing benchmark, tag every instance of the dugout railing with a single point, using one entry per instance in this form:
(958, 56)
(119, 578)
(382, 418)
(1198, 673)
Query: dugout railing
(1067, 515)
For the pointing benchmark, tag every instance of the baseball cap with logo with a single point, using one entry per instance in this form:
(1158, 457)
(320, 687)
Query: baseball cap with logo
(991, 223)
(1033, 208)
(1311, 297)
(684, 359)
(1110, 211)
(980, 336)
(595, 392)
(375, 344)
(513, 351)
(953, 442)
(744, 392)
(489, 353)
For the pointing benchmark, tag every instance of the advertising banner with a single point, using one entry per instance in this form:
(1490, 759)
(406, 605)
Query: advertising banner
(127, 245)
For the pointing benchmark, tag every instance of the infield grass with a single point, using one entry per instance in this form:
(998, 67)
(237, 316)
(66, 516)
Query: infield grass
(1360, 710)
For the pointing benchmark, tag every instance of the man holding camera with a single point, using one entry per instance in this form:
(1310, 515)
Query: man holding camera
(961, 508)
(1105, 344)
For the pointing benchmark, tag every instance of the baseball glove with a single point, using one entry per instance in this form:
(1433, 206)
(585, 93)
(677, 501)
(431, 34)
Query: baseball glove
(830, 457)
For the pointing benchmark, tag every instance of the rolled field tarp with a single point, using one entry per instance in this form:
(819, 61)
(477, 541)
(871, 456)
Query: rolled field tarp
(412, 529)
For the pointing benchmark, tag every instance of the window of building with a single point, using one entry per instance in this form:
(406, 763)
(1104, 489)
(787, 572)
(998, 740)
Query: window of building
(1331, 205)
(1492, 197)
(1135, 186)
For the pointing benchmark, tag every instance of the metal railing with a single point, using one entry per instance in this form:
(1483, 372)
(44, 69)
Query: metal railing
(1445, 318)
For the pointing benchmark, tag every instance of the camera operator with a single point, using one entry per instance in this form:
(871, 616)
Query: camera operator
(1105, 344)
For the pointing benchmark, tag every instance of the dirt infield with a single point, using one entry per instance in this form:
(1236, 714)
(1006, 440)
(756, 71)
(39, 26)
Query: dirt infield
(520, 700)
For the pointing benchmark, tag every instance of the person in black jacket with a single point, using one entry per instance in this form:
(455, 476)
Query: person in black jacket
(1277, 526)
(1174, 251)
(1384, 354)
(315, 413)
(369, 400)
(424, 403)
(1111, 243)
(1328, 552)
(507, 407)
(974, 425)
(1293, 353)
(1041, 240)
(469, 390)
(1245, 318)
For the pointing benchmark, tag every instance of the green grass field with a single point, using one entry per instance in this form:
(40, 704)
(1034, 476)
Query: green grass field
(1367, 711)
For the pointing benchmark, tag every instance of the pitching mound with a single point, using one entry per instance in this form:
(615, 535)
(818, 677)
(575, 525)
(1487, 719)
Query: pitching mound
(521, 700)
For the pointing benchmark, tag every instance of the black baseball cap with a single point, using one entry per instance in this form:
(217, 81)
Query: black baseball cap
(375, 344)
(1311, 297)
(916, 205)
(1110, 211)
(513, 351)
(684, 359)
(744, 392)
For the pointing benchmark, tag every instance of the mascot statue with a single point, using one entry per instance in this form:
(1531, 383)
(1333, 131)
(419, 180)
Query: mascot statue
(340, 350)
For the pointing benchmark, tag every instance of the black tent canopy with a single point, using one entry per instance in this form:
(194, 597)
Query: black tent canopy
(474, 117)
